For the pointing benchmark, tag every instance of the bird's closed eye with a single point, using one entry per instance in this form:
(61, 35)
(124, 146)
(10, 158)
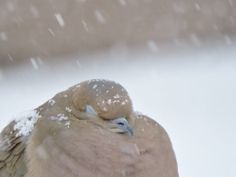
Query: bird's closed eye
(121, 123)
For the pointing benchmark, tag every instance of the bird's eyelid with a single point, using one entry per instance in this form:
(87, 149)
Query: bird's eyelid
(89, 109)
(120, 120)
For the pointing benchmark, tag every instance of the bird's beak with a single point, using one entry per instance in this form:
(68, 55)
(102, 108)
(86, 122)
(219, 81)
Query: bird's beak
(129, 130)
(121, 125)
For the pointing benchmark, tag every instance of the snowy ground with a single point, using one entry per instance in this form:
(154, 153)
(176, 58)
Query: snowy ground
(191, 94)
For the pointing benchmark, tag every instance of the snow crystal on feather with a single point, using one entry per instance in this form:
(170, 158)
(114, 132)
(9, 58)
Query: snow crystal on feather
(25, 123)
(100, 18)
(51, 102)
(95, 86)
(117, 96)
(68, 109)
(59, 117)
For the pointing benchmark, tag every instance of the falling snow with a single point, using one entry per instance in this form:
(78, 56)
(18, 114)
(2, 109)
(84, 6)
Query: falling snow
(60, 19)
(152, 46)
(197, 6)
(10, 57)
(78, 63)
(228, 40)
(51, 32)
(122, 2)
(34, 63)
(85, 25)
(100, 18)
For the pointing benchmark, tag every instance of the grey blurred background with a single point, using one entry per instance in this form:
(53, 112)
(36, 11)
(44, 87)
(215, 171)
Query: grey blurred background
(175, 57)
(51, 28)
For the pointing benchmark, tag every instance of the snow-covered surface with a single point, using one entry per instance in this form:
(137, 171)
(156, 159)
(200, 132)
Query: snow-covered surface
(25, 123)
(192, 94)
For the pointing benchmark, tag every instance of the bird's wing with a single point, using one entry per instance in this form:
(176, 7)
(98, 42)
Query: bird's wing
(156, 154)
(12, 163)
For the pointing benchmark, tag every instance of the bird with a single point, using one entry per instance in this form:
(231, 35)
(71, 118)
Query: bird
(87, 130)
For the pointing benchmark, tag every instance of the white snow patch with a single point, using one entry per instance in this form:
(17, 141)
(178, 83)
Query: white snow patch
(67, 124)
(104, 108)
(60, 19)
(25, 123)
(117, 96)
(109, 101)
(3, 36)
(123, 103)
(68, 109)
(59, 117)
(51, 102)
(100, 18)
(95, 86)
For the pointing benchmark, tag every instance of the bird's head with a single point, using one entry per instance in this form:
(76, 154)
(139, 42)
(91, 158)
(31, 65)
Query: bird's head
(107, 100)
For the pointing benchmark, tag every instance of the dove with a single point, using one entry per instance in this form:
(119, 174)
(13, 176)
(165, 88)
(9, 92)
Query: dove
(89, 129)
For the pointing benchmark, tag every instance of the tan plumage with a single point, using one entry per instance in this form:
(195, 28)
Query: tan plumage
(67, 140)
